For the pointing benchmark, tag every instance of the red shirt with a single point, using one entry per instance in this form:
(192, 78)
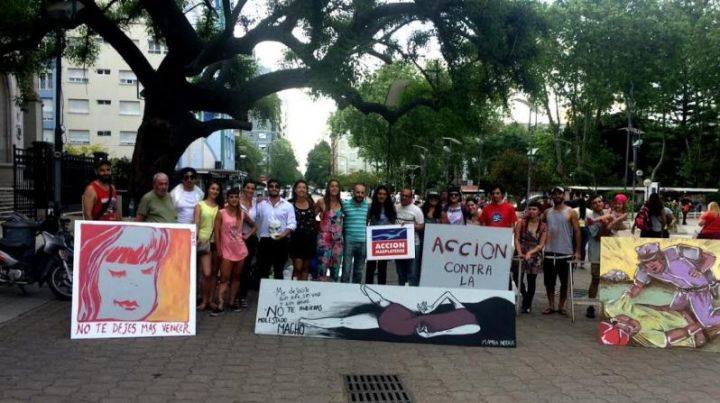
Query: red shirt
(498, 215)
(102, 196)
(711, 228)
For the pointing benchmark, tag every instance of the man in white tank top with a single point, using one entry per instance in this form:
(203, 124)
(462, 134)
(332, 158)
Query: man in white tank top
(563, 244)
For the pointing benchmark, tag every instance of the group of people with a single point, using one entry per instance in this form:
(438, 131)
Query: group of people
(326, 239)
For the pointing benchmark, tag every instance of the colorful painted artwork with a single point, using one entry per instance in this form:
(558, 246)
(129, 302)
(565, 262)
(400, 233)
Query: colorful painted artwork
(660, 292)
(133, 280)
(388, 242)
(386, 313)
(466, 256)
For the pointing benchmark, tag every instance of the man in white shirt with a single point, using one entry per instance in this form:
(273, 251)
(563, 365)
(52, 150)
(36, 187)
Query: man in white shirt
(186, 196)
(275, 220)
(409, 213)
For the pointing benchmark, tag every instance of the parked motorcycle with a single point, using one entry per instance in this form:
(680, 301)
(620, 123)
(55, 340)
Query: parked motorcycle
(32, 252)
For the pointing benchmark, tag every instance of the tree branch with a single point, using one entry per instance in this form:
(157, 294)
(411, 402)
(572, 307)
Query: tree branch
(179, 34)
(210, 126)
(100, 23)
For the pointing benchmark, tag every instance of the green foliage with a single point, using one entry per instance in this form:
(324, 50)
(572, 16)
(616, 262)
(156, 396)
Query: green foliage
(369, 179)
(319, 164)
(248, 157)
(85, 150)
(283, 164)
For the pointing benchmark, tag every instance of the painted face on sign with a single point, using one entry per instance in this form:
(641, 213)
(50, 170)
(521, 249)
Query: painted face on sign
(655, 266)
(128, 291)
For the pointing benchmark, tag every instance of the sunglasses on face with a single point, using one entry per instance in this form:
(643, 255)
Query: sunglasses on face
(454, 194)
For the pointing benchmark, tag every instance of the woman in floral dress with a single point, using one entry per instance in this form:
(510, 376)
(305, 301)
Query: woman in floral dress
(530, 237)
(330, 237)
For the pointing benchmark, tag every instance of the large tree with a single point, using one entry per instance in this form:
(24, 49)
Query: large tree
(282, 163)
(486, 47)
(319, 164)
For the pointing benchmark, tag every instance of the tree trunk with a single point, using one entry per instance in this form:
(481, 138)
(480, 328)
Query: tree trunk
(555, 126)
(660, 161)
(163, 136)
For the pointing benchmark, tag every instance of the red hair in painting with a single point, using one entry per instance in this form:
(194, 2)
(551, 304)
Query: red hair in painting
(124, 244)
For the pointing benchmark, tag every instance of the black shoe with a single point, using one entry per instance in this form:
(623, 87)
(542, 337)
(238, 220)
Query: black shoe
(244, 304)
(235, 307)
(526, 310)
(216, 312)
(590, 313)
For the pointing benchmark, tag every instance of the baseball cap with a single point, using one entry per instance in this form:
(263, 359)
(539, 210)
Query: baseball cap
(557, 189)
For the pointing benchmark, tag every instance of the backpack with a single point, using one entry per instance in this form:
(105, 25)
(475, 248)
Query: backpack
(642, 220)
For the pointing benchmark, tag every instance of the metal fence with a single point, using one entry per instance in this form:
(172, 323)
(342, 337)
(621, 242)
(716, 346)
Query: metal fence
(33, 180)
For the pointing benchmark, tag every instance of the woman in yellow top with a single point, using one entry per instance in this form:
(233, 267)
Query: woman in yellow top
(205, 213)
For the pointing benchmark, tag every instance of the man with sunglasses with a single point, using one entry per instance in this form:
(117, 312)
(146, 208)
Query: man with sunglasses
(498, 213)
(186, 196)
(275, 220)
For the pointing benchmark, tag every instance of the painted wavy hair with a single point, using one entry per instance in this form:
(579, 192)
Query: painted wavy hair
(116, 244)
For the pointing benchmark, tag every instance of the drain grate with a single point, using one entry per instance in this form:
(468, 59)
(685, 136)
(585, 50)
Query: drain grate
(376, 388)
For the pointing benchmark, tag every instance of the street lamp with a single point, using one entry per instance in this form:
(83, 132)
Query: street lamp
(62, 13)
(447, 159)
(531, 156)
(423, 169)
(636, 146)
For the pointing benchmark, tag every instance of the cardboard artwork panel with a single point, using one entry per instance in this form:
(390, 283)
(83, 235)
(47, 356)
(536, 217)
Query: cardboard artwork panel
(466, 256)
(389, 242)
(660, 293)
(133, 280)
(465, 316)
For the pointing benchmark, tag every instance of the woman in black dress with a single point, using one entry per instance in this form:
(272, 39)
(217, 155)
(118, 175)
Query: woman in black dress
(303, 241)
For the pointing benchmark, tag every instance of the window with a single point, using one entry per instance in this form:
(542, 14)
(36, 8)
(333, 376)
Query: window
(105, 72)
(48, 109)
(48, 135)
(127, 77)
(104, 133)
(127, 138)
(46, 80)
(77, 76)
(78, 106)
(103, 102)
(79, 137)
(262, 135)
(129, 107)
(156, 47)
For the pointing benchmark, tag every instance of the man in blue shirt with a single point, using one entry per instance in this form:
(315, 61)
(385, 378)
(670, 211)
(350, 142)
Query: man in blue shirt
(355, 221)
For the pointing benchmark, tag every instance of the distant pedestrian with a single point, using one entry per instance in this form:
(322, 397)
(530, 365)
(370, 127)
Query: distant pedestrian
(157, 205)
(652, 218)
(303, 240)
(382, 212)
(454, 213)
(710, 222)
(562, 246)
(686, 206)
(205, 213)
(330, 237)
(530, 238)
(275, 222)
(599, 226)
(432, 209)
(99, 201)
(231, 249)
(408, 270)
(618, 213)
(499, 212)
(186, 196)
(355, 211)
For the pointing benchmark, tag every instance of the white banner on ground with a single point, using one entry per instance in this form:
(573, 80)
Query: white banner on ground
(470, 256)
(389, 242)
(386, 313)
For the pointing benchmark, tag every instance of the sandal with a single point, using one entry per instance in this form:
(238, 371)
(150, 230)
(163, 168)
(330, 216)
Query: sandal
(562, 312)
(548, 311)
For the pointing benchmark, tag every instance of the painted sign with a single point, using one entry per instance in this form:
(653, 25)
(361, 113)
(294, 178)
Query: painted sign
(133, 280)
(466, 256)
(386, 313)
(388, 242)
(660, 292)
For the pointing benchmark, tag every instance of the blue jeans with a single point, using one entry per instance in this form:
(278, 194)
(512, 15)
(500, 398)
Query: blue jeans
(408, 270)
(353, 261)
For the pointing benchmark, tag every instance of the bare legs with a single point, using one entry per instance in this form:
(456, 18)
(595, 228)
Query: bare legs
(358, 322)
(208, 280)
(301, 269)
(229, 271)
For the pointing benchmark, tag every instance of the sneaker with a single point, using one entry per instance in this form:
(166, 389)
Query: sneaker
(235, 307)
(526, 310)
(244, 304)
(216, 312)
(590, 313)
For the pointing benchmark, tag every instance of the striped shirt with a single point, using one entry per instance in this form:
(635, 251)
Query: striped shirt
(355, 220)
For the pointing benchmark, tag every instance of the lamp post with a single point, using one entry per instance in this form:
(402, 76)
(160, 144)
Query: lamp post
(531, 155)
(637, 172)
(62, 13)
(423, 169)
(412, 169)
(448, 151)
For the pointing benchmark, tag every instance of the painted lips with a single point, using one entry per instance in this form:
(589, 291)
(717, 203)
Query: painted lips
(128, 305)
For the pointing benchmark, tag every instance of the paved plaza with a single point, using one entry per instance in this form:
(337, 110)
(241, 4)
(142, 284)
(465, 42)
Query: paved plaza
(555, 361)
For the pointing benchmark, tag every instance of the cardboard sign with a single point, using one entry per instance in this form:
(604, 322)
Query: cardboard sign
(660, 293)
(389, 242)
(386, 313)
(133, 280)
(466, 256)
